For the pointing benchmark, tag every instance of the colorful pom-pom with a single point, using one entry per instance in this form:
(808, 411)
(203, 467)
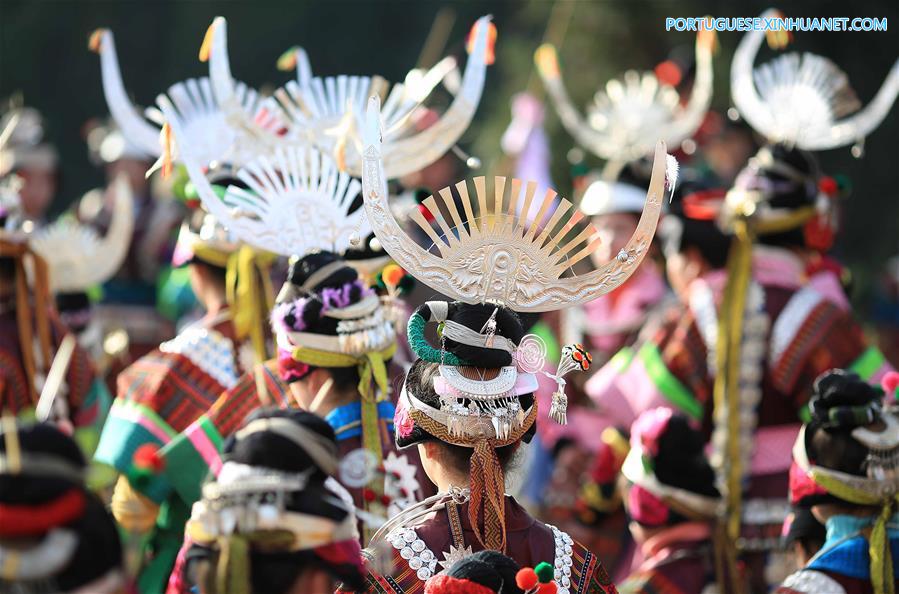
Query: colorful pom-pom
(547, 588)
(526, 578)
(392, 275)
(545, 572)
(369, 495)
(147, 457)
(828, 185)
(843, 183)
(890, 383)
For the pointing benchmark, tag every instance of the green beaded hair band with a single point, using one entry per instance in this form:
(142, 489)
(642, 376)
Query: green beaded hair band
(432, 311)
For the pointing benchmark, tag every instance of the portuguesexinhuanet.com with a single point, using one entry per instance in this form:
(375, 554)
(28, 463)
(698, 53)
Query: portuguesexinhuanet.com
(744, 24)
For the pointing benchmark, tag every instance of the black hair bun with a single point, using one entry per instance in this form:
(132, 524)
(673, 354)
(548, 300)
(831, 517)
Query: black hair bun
(681, 460)
(303, 268)
(474, 317)
(488, 568)
(841, 389)
(270, 450)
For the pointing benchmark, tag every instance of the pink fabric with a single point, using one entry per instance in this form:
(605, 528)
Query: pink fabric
(177, 584)
(781, 268)
(645, 507)
(622, 396)
(402, 422)
(648, 429)
(205, 447)
(773, 447)
(802, 485)
(626, 310)
(777, 267)
(828, 285)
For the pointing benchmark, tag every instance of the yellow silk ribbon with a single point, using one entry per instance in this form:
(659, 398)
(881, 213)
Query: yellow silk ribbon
(878, 544)
(726, 388)
(249, 289)
(372, 368)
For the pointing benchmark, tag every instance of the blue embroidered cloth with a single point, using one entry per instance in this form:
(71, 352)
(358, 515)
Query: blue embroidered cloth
(846, 551)
(347, 419)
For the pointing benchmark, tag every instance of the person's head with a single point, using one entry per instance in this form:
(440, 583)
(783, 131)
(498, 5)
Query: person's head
(803, 535)
(728, 148)
(485, 572)
(323, 307)
(777, 192)
(50, 513)
(109, 148)
(614, 209)
(692, 242)
(850, 437)
(668, 478)
(301, 535)
(469, 404)
(441, 458)
(27, 155)
(204, 247)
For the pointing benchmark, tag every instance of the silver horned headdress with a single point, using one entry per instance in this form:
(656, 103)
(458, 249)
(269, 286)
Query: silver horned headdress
(77, 256)
(192, 102)
(804, 100)
(627, 118)
(329, 112)
(498, 254)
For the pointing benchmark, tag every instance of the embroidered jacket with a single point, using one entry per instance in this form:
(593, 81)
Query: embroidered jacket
(800, 328)
(413, 553)
(796, 328)
(842, 566)
(159, 396)
(677, 561)
(86, 397)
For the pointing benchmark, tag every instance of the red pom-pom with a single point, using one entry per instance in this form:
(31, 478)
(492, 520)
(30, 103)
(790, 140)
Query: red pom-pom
(147, 457)
(828, 185)
(526, 578)
(369, 495)
(385, 500)
(547, 588)
(890, 383)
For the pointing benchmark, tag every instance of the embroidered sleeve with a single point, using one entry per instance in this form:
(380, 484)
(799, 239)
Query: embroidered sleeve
(829, 338)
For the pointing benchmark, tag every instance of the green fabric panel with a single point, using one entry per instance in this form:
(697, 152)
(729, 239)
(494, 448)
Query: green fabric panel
(868, 364)
(668, 385)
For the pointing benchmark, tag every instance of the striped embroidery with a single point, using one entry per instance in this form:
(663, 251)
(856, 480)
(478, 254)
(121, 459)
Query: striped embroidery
(790, 321)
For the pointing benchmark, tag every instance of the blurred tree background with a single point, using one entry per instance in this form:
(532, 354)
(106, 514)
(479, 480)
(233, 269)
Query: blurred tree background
(44, 56)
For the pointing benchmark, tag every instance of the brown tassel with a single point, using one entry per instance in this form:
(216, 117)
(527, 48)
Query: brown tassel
(19, 252)
(487, 494)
